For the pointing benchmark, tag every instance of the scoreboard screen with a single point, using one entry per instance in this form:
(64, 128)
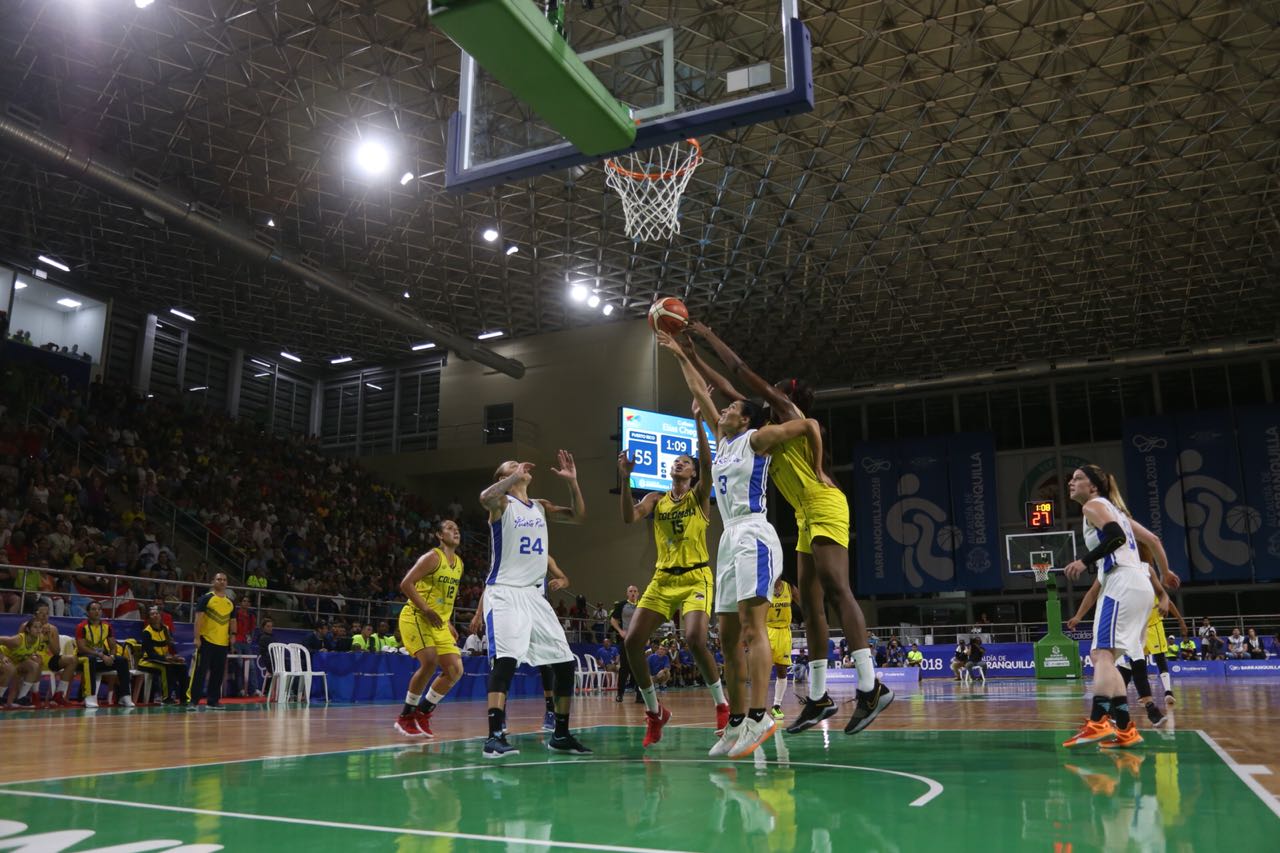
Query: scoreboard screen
(1039, 515)
(653, 440)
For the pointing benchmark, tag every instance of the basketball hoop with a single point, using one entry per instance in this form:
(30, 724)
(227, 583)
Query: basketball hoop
(1041, 571)
(650, 184)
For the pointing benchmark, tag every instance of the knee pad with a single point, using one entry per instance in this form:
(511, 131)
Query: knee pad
(504, 669)
(563, 678)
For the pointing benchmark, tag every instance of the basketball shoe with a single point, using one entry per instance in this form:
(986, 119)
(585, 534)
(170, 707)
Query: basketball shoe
(653, 724)
(813, 712)
(1092, 732)
(868, 706)
(1125, 738)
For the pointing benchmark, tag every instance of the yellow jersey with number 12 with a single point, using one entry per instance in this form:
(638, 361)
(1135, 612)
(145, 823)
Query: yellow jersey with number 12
(680, 532)
(440, 588)
(780, 608)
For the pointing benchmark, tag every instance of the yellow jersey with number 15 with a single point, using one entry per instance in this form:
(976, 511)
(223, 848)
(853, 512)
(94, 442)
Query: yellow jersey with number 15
(680, 532)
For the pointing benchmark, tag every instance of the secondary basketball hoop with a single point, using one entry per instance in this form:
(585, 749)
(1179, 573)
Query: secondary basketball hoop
(650, 184)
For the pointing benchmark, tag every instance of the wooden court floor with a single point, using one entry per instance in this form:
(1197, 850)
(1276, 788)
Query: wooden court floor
(971, 767)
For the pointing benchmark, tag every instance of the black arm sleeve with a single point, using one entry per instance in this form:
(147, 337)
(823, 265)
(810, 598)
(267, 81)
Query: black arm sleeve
(1112, 538)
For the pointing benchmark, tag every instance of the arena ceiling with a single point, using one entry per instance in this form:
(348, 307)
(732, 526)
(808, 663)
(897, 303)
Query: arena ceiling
(978, 185)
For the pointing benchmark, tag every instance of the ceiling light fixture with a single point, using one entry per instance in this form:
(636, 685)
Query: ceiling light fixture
(343, 359)
(68, 303)
(40, 274)
(261, 362)
(511, 250)
(421, 347)
(593, 301)
(260, 375)
(271, 222)
(290, 356)
(184, 315)
(373, 157)
(577, 293)
(374, 387)
(484, 336)
(406, 294)
(199, 388)
(57, 265)
(490, 234)
(142, 4)
(608, 309)
(22, 285)
(406, 178)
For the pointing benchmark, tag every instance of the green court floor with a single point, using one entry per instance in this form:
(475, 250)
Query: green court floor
(889, 790)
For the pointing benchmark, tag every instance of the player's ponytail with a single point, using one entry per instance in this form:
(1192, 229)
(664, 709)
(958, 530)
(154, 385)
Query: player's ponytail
(1107, 486)
(1113, 495)
(799, 392)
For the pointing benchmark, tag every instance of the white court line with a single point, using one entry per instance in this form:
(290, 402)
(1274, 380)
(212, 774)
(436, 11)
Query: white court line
(330, 824)
(1268, 799)
(401, 744)
(935, 787)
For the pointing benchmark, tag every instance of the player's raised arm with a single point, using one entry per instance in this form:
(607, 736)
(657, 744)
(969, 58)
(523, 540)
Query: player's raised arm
(632, 510)
(424, 567)
(703, 491)
(1152, 541)
(577, 508)
(691, 376)
(771, 435)
(713, 377)
(756, 384)
(494, 498)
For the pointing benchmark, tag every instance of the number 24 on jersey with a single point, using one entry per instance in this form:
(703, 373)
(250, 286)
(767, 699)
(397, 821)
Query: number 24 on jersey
(530, 545)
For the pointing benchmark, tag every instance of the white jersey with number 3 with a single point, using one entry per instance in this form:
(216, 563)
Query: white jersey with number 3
(1126, 556)
(519, 545)
(741, 477)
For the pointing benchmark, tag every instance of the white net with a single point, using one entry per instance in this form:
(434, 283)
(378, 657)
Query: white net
(1041, 572)
(650, 184)
(1041, 565)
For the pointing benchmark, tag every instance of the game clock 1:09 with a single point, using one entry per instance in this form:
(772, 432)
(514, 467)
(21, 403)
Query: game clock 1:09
(1039, 514)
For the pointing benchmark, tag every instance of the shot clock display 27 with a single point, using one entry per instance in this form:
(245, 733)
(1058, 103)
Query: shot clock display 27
(1040, 515)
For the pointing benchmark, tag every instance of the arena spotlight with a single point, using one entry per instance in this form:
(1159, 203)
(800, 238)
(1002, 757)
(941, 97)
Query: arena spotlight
(406, 178)
(593, 301)
(57, 265)
(511, 250)
(490, 234)
(421, 347)
(373, 157)
(485, 336)
(183, 314)
(340, 360)
(142, 4)
(290, 356)
(260, 362)
(577, 293)
(608, 309)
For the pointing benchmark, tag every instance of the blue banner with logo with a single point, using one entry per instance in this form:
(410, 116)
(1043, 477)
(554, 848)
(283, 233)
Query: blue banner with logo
(973, 506)
(1258, 432)
(1152, 484)
(1214, 512)
(920, 518)
(875, 489)
(925, 515)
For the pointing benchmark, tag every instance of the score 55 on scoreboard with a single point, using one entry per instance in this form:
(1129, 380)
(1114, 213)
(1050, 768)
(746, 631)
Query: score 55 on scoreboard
(653, 441)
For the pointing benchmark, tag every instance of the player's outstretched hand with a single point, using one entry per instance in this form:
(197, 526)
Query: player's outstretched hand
(556, 584)
(1073, 622)
(1075, 569)
(626, 464)
(567, 470)
(669, 343)
(699, 328)
(1171, 581)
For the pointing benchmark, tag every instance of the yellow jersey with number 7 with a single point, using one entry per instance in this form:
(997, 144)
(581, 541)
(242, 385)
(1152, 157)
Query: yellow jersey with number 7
(680, 532)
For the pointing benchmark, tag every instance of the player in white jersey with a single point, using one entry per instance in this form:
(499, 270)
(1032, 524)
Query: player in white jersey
(519, 621)
(1126, 585)
(749, 560)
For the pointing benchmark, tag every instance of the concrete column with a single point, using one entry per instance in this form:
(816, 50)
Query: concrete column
(235, 372)
(146, 354)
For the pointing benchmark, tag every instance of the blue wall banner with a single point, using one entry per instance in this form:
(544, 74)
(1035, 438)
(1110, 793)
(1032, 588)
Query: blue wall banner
(974, 510)
(1151, 483)
(1258, 433)
(1006, 660)
(925, 515)
(1213, 510)
(1252, 668)
(875, 489)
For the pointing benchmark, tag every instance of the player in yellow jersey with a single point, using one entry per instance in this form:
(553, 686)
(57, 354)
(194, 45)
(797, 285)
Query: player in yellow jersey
(778, 624)
(431, 587)
(21, 661)
(684, 580)
(822, 550)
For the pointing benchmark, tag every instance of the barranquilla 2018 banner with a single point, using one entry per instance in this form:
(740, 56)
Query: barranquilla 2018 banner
(925, 515)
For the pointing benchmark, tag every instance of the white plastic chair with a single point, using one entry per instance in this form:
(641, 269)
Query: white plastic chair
(300, 667)
(605, 680)
(594, 683)
(580, 675)
(279, 654)
(981, 669)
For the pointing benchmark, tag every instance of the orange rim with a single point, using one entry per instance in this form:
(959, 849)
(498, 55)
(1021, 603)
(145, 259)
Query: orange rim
(660, 176)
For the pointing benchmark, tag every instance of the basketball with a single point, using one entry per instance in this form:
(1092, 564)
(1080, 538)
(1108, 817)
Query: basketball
(669, 315)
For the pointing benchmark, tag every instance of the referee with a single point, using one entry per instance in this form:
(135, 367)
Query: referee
(620, 621)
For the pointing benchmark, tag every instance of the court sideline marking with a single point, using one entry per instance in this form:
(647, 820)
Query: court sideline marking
(935, 787)
(329, 824)
(1245, 773)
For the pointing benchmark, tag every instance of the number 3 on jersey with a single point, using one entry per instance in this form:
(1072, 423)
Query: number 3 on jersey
(530, 546)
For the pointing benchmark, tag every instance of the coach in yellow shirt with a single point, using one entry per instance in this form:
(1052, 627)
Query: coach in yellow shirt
(213, 638)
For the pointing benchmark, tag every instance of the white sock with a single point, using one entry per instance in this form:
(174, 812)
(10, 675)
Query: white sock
(779, 690)
(717, 692)
(63, 687)
(434, 698)
(650, 696)
(412, 699)
(817, 679)
(866, 669)
(1166, 681)
(25, 688)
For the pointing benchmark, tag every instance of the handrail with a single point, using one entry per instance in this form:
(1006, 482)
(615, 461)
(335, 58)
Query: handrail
(175, 515)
